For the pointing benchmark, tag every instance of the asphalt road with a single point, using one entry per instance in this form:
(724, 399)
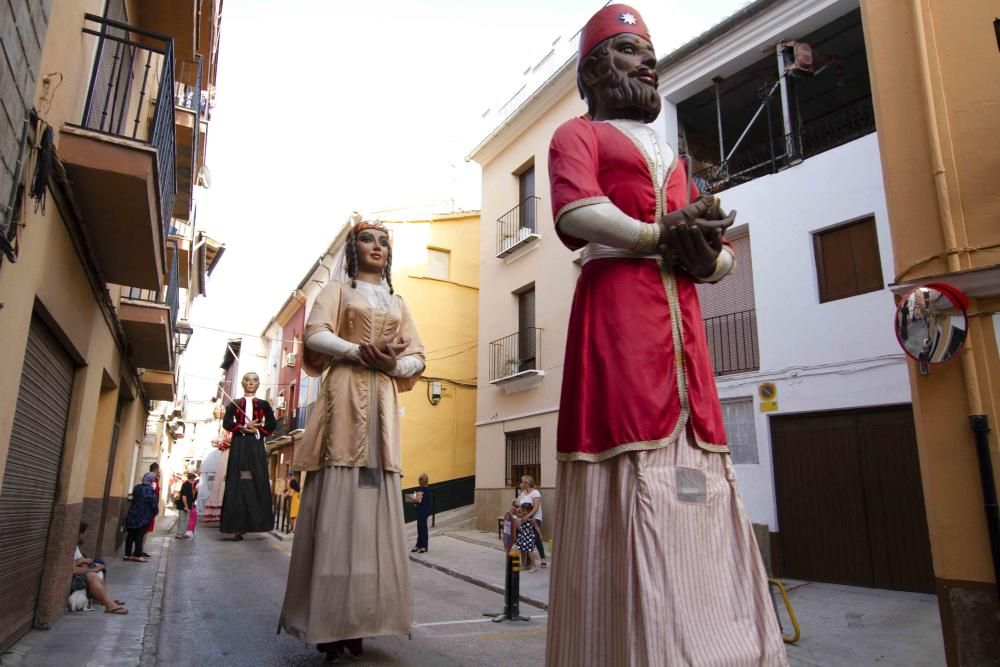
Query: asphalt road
(222, 600)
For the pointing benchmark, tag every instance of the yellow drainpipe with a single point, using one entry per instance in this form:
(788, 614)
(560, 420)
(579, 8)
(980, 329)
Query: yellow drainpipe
(943, 195)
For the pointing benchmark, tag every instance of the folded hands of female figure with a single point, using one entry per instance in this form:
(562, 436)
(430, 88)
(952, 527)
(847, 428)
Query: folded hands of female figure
(382, 355)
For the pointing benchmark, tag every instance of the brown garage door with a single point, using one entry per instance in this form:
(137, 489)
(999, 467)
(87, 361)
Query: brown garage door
(850, 504)
(30, 476)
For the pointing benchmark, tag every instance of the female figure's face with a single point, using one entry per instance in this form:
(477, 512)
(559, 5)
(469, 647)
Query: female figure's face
(373, 250)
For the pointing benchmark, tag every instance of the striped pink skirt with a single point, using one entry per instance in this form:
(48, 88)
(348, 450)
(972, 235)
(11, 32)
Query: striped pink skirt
(656, 564)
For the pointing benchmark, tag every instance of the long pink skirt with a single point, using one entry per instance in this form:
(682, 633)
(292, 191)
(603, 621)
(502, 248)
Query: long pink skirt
(656, 564)
(212, 511)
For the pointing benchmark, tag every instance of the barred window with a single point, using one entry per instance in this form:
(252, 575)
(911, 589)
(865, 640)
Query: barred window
(740, 430)
(524, 455)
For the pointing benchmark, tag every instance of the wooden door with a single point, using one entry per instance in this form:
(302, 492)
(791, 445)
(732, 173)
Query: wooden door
(850, 503)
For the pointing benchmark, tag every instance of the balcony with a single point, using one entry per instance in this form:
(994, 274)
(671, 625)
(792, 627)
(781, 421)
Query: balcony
(732, 342)
(178, 18)
(179, 243)
(148, 318)
(515, 363)
(835, 129)
(190, 102)
(158, 385)
(121, 157)
(516, 229)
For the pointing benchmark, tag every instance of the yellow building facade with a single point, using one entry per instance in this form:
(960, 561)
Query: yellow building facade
(934, 69)
(93, 188)
(435, 268)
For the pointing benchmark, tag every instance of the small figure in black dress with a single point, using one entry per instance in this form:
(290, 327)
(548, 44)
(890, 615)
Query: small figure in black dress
(246, 504)
(526, 538)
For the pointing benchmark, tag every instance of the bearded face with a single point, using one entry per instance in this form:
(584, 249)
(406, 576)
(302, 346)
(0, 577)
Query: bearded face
(617, 85)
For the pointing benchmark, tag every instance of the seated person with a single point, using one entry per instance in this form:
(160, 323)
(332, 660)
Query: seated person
(86, 576)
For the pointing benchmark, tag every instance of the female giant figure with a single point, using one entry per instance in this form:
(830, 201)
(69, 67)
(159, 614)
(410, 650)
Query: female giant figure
(349, 574)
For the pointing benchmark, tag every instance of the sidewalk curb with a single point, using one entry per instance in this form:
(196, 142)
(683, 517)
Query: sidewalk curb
(471, 540)
(535, 602)
(151, 633)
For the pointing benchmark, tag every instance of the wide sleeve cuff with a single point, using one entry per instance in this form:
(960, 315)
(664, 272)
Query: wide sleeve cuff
(407, 366)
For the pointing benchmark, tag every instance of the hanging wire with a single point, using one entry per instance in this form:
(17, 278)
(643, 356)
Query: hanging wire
(473, 343)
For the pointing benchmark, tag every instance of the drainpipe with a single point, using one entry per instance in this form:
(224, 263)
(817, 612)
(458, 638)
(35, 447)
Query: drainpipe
(786, 114)
(718, 117)
(978, 422)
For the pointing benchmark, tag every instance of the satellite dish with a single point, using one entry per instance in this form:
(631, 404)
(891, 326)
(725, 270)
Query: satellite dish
(204, 177)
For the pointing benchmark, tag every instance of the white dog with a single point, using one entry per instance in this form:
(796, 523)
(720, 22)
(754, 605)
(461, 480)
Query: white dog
(78, 600)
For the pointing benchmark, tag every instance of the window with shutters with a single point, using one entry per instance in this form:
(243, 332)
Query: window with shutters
(737, 414)
(847, 260)
(526, 348)
(526, 196)
(524, 455)
(438, 264)
(729, 312)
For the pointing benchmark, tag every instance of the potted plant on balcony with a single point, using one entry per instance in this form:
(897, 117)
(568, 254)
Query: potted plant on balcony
(511, 367)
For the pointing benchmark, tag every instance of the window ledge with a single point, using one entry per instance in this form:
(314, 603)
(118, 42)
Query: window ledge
(519, 381)
(519, 247)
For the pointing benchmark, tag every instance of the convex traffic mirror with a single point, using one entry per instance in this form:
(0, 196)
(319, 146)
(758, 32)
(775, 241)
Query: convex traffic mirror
(931, 324)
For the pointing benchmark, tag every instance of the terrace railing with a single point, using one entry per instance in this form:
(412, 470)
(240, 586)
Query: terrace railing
(132, 76)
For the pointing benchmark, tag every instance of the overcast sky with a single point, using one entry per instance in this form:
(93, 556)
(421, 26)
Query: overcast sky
(326, 107)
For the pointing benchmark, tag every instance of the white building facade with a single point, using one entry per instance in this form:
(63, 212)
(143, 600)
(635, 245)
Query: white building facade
(773, 110)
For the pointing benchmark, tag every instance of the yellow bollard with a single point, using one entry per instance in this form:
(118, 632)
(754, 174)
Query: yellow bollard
(788, 639)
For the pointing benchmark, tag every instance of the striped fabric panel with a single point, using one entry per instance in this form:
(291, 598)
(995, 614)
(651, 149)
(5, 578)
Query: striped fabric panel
(642, 578)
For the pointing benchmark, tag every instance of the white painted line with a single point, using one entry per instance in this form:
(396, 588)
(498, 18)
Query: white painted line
(471, 620)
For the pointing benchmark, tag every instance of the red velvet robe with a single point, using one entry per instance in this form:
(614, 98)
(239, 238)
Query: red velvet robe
(637, 370)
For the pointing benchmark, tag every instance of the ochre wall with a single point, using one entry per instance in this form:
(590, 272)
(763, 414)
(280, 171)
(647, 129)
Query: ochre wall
(49, 278)
(440, 439)
(961, 69)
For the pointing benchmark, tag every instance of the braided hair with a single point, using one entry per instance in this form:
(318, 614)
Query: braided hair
(352, 258)
(387, 271)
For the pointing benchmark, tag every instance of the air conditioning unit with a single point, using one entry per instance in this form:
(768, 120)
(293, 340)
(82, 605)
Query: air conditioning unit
(279, 404)
(290, 359)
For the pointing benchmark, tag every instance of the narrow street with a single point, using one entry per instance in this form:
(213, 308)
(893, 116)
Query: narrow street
(223, 598)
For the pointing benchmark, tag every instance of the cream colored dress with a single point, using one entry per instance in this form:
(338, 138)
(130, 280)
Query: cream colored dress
(349, 574)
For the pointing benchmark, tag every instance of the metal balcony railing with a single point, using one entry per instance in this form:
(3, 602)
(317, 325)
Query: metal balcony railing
(133, 72)
(732, 342)
(517, 225)
(192, 98)
(821, 135)
(516, 353)
(168, 296)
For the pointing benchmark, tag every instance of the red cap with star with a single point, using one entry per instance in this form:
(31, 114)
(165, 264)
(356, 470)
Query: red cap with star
(608, 22)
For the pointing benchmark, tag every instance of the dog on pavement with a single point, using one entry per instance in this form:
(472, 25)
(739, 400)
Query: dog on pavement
(78, 600)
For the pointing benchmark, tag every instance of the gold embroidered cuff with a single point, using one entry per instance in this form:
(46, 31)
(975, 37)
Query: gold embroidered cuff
(649, 238)
(724, 264)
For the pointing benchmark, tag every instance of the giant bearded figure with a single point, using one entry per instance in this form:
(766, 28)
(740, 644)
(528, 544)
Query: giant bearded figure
(657, 562)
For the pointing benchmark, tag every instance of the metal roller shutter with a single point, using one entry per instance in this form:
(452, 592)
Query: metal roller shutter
(30, 476)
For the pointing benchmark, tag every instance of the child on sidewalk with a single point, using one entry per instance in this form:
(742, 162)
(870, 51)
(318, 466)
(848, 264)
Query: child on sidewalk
(526, 537)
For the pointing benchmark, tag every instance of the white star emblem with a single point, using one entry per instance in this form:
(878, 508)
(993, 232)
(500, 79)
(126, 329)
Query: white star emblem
(628, 19)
